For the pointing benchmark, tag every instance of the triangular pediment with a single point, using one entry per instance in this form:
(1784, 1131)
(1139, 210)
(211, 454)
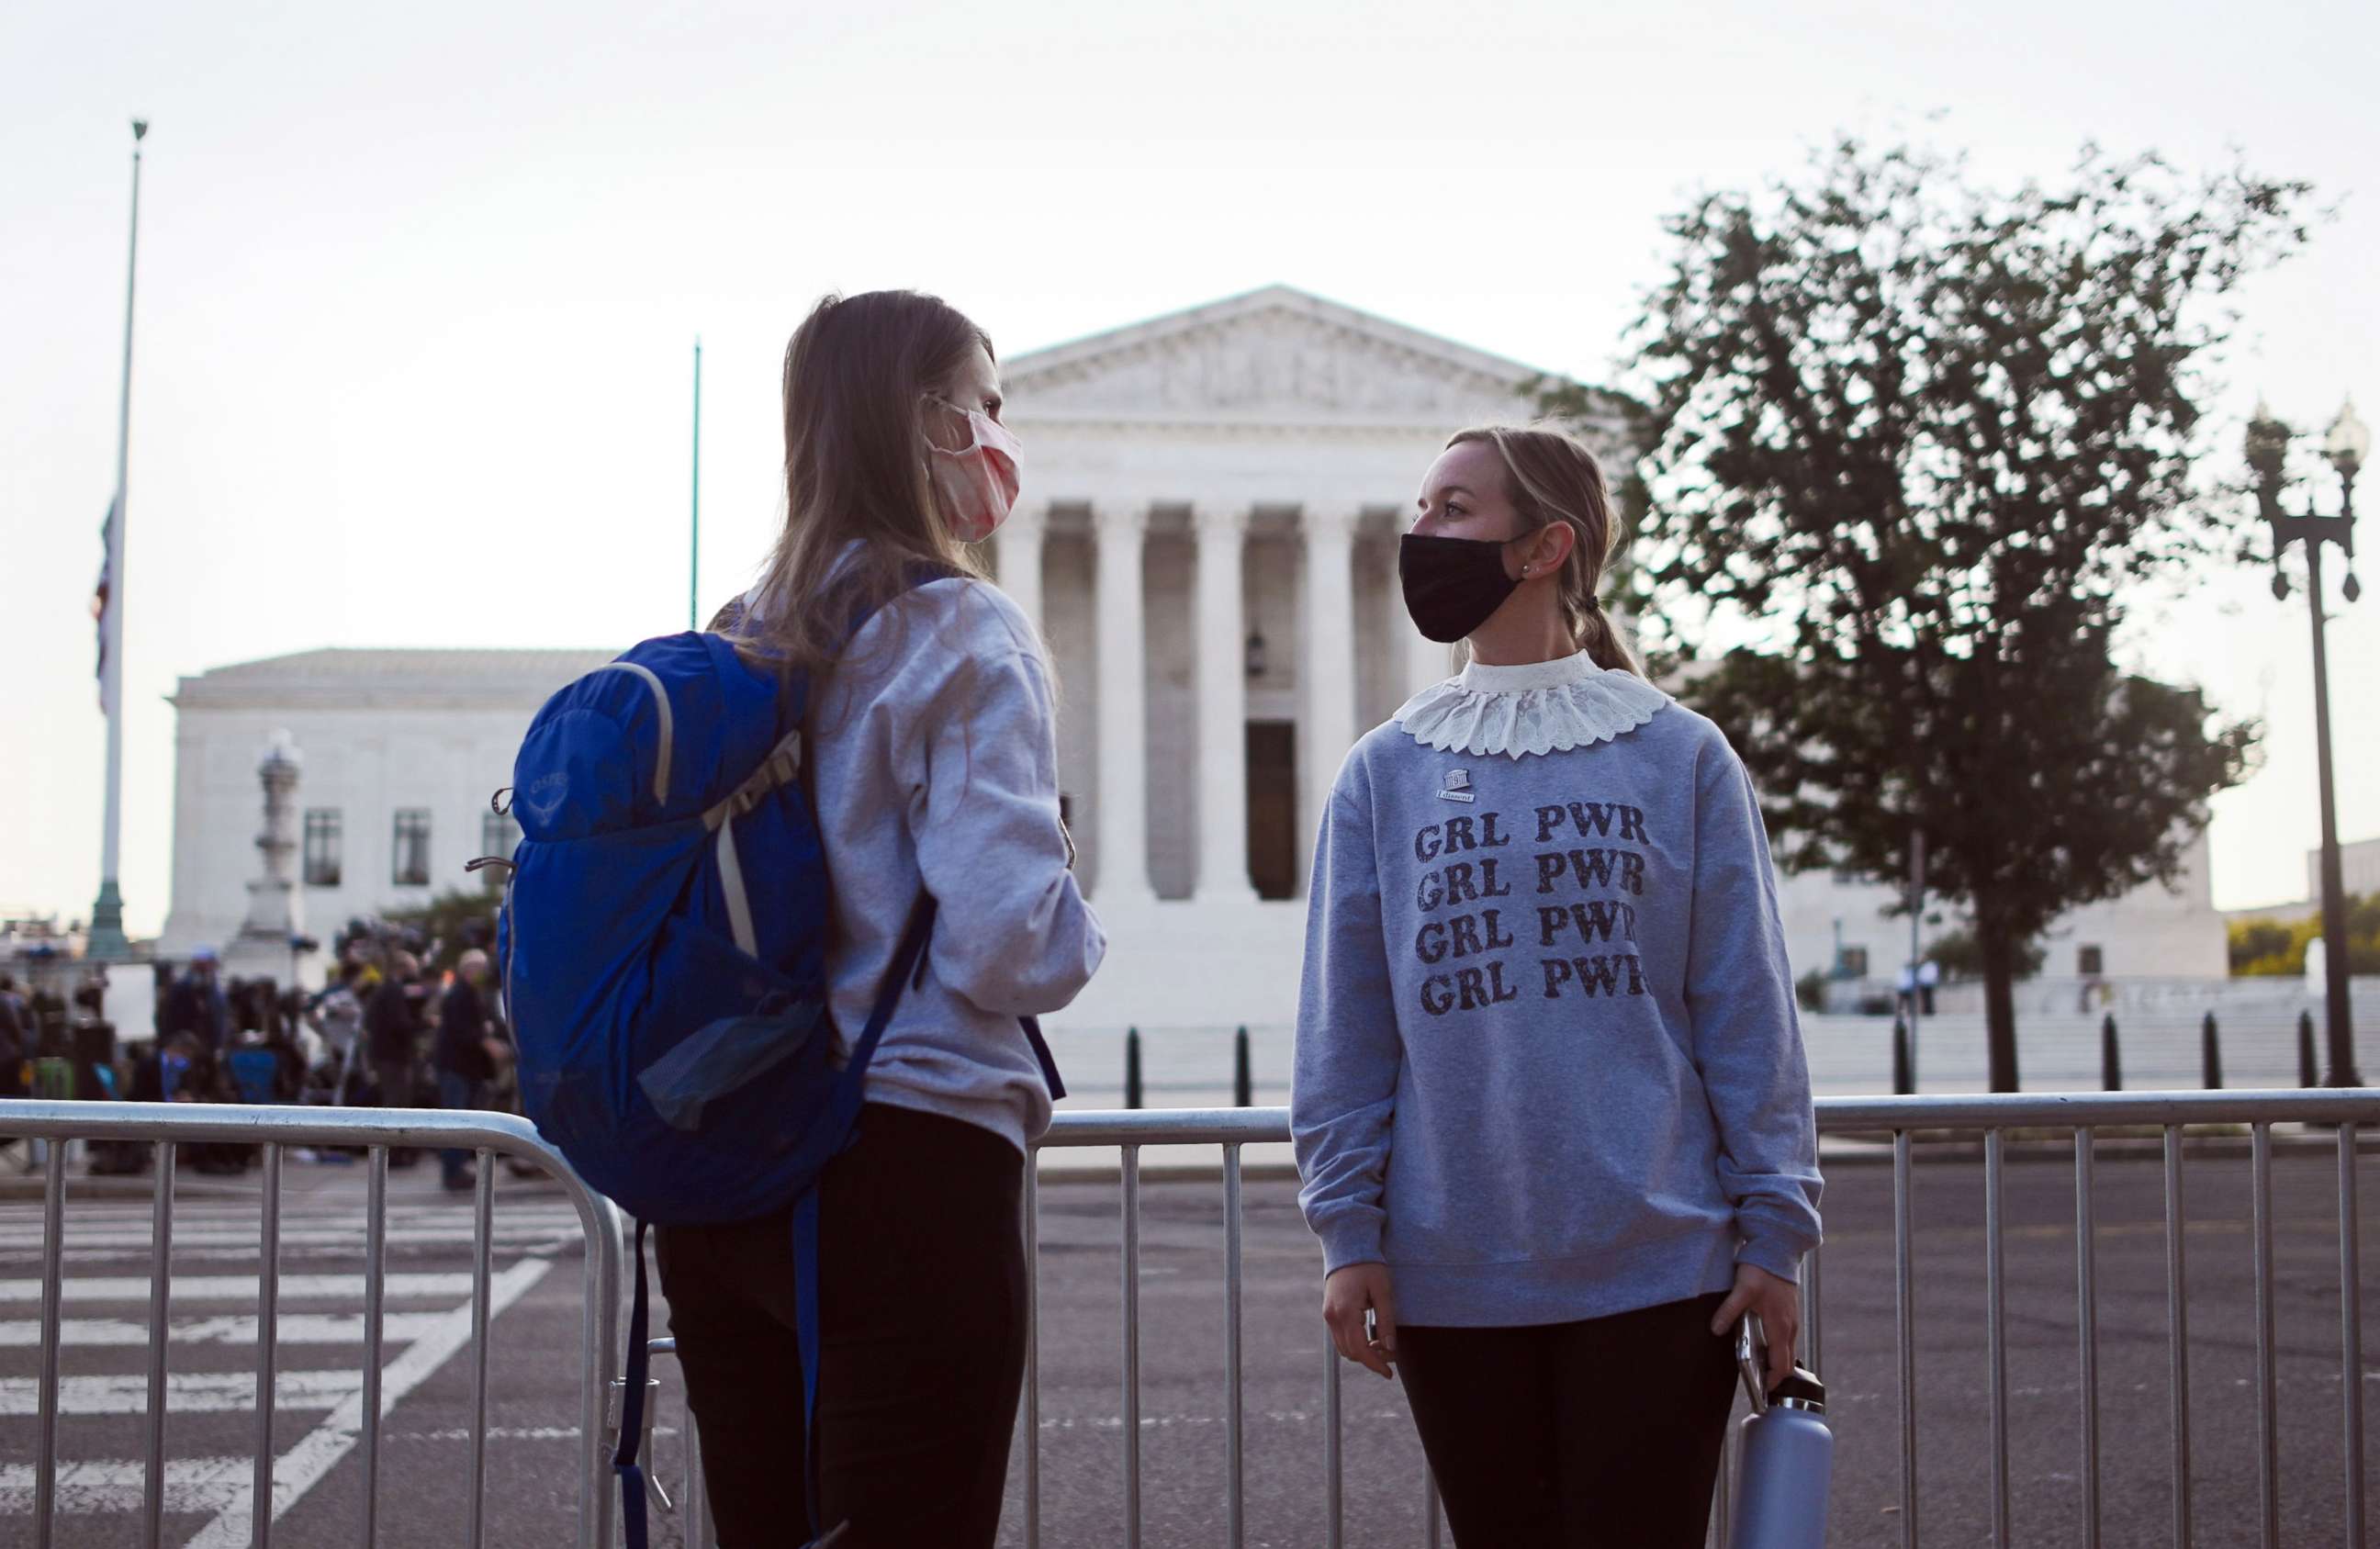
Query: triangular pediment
(1273, 356)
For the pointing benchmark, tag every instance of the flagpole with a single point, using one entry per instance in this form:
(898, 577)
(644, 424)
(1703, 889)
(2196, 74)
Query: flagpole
(106, 941)
(694, 560)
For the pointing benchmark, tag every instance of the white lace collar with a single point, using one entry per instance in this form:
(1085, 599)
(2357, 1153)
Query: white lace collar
(1544, 707)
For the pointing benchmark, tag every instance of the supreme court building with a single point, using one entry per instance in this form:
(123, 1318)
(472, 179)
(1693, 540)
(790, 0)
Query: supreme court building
(1207, 538)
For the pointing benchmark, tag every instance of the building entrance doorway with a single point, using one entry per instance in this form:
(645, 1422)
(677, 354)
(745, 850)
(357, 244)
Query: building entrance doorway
(1272, 808)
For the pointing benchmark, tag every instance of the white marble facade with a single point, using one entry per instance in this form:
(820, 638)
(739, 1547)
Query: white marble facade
(1233, 471)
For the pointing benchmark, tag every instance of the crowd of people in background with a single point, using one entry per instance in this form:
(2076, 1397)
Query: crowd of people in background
(402, 1022)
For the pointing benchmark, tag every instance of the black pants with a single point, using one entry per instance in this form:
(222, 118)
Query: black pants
(921, 1313)
(1562, 1436)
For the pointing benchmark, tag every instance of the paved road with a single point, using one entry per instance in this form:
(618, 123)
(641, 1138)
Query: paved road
(534, 1356)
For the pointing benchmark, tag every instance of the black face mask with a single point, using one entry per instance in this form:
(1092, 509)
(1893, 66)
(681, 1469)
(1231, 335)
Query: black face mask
(1453, 583)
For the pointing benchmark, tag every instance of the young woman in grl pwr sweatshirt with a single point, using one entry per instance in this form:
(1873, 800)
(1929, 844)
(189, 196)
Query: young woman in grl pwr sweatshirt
(1550, 1106)
(934, 769)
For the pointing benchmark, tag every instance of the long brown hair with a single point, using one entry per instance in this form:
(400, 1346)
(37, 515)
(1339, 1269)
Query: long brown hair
(1551, 477)
(857, 373)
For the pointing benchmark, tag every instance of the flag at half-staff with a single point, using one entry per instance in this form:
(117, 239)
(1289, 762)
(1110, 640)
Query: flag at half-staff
(101, 601)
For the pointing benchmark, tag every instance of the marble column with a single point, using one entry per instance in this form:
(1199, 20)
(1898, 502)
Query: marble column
(1222, 528)
(1329, 667)
(1018, 542)
(1122, 824)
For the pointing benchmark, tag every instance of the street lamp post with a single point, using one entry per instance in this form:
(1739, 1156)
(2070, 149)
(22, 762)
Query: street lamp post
(2349, 440)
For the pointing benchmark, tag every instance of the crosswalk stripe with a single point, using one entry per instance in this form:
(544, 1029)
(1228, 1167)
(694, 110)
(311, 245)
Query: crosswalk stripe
(192, 1485)
(295, 1329)
(303, 1466)
(461, 1232)
(348, 1251)
(456, 1210)
(443, 1204)
(188, 1288)
(185, 1392)
(316, 1205)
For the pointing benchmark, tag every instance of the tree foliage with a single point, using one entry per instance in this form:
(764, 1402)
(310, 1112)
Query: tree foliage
(2277, 946)
(1919, 440)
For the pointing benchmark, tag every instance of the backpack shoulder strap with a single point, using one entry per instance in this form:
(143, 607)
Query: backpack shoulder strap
(908, 964)
(906, 970)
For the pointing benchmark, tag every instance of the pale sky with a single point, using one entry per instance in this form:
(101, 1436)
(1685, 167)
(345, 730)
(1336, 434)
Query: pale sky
(419, 284)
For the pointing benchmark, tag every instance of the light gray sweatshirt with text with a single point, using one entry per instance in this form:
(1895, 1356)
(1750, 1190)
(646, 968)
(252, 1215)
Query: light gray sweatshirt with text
(1548, 1066)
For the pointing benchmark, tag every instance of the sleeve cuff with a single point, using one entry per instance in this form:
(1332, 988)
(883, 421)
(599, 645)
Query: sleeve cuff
(1774, 1253)
(1353, 1238)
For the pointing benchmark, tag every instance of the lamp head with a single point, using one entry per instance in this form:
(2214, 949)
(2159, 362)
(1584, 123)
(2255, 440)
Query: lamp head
(2268, 444)
(2349, 440)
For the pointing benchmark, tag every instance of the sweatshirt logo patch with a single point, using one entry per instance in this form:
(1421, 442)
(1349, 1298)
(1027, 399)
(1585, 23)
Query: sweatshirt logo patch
(1457, 787)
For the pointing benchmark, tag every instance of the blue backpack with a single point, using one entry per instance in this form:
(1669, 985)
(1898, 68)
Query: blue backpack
(673, 1024)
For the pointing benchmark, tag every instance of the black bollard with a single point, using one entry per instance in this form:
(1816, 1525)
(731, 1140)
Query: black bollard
(2112, 1068)
(1132, 1068)
(2210, 1053)
(1244, 1084)
(2308, 1075)
(1902, 1082)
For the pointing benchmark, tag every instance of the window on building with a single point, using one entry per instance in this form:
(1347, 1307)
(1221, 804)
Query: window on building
(410, 853)
(498, 834)
(322, 852)
(1853, 964)
(2090, 962)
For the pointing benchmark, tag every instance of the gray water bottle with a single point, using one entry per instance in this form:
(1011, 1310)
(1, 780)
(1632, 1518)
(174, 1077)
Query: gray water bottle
(1787, 1456)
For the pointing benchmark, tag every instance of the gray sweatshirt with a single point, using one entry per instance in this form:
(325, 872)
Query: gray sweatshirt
(935, 756)
(1547, 1065)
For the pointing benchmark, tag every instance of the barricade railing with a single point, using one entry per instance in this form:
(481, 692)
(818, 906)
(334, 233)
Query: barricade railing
(1232, 1130)
(2086, 1113)
(274, 1128)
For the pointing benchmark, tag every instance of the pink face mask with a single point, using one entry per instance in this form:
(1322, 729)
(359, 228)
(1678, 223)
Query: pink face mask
(976, 484)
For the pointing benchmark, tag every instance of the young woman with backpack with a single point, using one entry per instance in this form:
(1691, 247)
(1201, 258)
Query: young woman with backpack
(1550, 1106)
(931, 760)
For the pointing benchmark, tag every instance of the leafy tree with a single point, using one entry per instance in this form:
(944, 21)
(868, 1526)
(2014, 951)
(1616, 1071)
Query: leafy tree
(1916, 437)
(2277, 946)
(2261, 947)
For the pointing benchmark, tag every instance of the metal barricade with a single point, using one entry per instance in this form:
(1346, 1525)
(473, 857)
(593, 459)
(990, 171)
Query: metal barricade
(274, 1128)
(2084, 1113)
(1231, 1129)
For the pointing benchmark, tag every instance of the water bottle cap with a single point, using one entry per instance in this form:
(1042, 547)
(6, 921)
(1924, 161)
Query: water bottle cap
(1800, 1390)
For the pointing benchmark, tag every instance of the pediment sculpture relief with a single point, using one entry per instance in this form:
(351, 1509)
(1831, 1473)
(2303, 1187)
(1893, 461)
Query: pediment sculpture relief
(1276, 364)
